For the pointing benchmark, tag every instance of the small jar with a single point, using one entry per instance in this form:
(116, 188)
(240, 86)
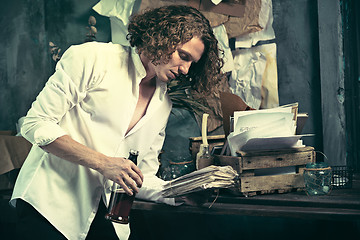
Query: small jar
(317, 178)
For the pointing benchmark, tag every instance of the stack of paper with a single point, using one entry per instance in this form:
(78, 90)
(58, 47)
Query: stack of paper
(273, 128)
(206, 178)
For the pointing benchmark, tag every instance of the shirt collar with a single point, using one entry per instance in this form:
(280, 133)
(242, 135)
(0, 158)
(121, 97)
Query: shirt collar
(141, 73)
(162, 87)
(139, 67)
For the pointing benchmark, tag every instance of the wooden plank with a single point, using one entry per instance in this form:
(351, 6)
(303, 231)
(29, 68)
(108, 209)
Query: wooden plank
(277, 160)
(275, 151)
(248, 173)
(213, 137)
(273, 182)
(267, 159)
(234, 162)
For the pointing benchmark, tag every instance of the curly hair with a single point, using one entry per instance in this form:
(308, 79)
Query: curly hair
(156, 33)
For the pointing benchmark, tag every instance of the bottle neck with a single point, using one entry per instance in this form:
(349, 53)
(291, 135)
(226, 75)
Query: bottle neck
(133, 154)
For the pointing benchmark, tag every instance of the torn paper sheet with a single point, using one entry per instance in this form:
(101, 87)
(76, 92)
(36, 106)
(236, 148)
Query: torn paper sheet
(267, 33)
(254, 78)
(248, 23)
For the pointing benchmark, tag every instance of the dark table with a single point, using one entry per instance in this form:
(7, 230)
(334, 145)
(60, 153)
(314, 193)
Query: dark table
(291, 215)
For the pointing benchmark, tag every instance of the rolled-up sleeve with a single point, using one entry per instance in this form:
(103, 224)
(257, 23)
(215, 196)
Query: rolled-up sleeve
(64, 89)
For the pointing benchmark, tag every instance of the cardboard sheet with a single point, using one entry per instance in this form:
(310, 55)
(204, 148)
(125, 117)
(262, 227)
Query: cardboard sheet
(230, 8)
(267, 33)
(240, 17)
(14, 150)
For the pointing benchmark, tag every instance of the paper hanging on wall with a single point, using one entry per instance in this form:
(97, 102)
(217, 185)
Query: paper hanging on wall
(119, 13)
(267, 33)
(254, 78)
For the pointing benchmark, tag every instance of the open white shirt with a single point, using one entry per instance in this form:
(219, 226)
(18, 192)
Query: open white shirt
(91, 97)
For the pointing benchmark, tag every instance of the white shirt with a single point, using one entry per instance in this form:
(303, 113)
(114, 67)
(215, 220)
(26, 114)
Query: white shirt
(91, 97)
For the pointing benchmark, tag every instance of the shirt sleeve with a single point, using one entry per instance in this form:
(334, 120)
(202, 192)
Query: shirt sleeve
(152, 185)
(64, 89)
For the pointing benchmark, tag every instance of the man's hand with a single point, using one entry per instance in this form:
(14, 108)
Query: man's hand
(124, 172)
(119, 170)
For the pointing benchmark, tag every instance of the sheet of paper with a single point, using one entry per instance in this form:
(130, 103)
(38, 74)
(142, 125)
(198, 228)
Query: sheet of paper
(285, 109)
(263, 129)
(274, 128)
(251, 121)
(285, 142)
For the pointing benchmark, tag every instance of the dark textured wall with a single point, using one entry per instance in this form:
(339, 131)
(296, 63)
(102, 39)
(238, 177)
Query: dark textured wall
(295, 25)
(25, 62)
(23, 58)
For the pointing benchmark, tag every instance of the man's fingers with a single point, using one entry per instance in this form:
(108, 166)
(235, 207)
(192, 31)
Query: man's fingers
(129, 191)
(137, 177)
(130, 177)
(132, 181)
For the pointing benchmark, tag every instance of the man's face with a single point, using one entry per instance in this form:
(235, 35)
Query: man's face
(180, 60)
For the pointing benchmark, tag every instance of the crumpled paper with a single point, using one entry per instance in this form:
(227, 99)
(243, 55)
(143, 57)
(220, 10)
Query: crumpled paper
(255, 76)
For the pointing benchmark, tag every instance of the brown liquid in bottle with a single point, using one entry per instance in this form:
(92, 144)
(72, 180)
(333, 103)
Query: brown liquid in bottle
(120, 202)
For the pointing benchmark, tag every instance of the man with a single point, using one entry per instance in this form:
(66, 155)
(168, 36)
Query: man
(103, 100)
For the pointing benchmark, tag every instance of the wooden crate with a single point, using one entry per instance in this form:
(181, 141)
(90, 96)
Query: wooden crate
(195, 142)
(249, 164)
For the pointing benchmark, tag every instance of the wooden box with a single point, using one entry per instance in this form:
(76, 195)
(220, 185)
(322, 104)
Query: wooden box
(256, 170)
(213, 141)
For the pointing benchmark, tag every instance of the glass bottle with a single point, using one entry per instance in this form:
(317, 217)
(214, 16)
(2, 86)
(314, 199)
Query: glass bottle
(120, 202)
(204, 159)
